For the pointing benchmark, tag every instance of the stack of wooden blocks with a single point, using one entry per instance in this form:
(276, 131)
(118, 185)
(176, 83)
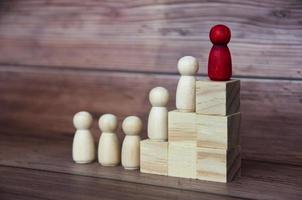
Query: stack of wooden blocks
(203, 144)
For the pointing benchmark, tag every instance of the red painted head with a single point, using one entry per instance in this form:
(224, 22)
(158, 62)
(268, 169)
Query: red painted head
(220, 35)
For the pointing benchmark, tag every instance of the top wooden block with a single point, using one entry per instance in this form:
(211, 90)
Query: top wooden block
(217, 97)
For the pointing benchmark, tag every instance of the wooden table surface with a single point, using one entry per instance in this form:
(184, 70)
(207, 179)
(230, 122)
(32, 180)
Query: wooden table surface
(34, 167)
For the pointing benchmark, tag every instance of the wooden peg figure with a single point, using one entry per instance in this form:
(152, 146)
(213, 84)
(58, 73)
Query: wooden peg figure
(185, 92)
(132, 126)
(109, 146)
(83, 147)
(158, 116)
(220, 63)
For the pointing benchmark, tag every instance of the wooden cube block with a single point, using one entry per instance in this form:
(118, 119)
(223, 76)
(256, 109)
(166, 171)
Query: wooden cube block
(181, 127)
(217, 97)
(218, 165)
(214, 131)
(182, 160)
(154, 157)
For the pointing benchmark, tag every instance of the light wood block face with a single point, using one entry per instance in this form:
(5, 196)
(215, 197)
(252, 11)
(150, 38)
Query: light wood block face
(214, 131)
(182, 127)
(182, 160)
(154, 157)
(218, 165)
(217, 97)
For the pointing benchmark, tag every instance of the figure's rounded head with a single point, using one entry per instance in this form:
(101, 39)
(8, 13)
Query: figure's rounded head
(82, 120)
(132, 125)
(159, 96)
(188, 65)
(108, 123)
(220, 34)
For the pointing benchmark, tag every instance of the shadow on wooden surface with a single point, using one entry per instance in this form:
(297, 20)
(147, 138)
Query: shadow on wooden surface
(25, 184)
(53, 154)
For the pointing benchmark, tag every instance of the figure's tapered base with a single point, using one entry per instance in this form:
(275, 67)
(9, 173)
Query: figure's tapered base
(131, 168)
(84, 162)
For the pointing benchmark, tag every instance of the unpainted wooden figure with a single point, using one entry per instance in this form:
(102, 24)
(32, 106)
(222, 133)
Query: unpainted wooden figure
(185, 92)
(109, 146)
(132, 126)
(158, 116)
(83, 147)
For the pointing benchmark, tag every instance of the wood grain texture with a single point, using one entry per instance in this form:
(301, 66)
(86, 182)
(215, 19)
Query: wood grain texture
(44, 102)
(217, 97)
(25, 184)
(219, 165)
(219, 132)
(154, 157)
(151, 35)
(182, 158)
(48, 153)
(182, 127)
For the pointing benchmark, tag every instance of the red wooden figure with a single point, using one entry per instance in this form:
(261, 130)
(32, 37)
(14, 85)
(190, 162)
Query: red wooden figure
(220, 62)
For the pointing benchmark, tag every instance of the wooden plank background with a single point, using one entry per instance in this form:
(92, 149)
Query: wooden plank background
(59, 57)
